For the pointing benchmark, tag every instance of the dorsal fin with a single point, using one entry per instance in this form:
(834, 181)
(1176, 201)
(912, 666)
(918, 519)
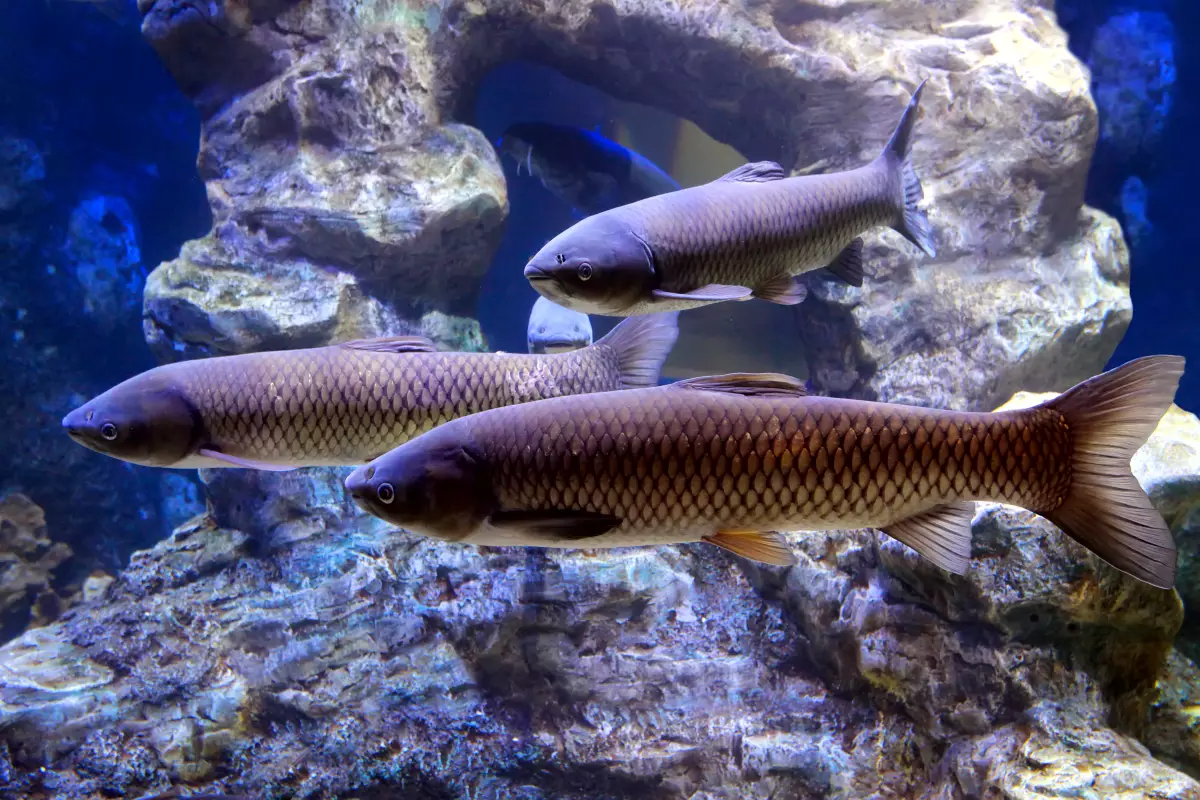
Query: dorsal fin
(393, 344)
(756, 384)
(755, 172)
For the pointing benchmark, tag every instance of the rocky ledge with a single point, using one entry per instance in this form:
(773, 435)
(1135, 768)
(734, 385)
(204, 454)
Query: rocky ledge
(347, 659)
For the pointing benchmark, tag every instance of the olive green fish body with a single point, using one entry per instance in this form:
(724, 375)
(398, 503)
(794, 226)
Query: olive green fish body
(748, 234)
(682, 464)
(745, 234)
(731, 459)
(343, 404)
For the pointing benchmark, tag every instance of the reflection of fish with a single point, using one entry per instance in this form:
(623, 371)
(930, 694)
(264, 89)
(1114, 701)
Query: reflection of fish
(344, 404)
(747, 234)
(554, 329)
(585, 170)
(729, 459)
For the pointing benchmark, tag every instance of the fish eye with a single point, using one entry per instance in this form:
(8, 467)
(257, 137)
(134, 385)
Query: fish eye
(108, 431)
(560, 258)
(585, 271)
(385, 493)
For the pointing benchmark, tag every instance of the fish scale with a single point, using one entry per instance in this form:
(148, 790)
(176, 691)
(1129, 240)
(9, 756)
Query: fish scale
(276, 406)
(680, 465)
(343, 404)
(745, 233)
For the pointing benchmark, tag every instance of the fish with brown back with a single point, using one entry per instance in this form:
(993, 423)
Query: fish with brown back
(344, 404)
(747, 234)
(730, 459)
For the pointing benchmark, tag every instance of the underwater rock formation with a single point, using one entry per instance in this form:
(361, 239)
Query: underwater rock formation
(337, 171)
(27, 560)
(357, 660)
(341, 208)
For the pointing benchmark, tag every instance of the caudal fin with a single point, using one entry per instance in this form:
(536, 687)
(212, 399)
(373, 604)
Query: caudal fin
(642, 344)
(1109, 417)
(913, 223)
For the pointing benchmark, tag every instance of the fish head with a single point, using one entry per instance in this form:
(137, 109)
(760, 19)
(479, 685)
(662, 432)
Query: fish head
(600, 265)
(554, 329)
(144, 420)
(435, 485)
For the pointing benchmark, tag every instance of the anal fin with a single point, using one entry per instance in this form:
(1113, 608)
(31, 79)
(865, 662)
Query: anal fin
(786, 290)
(243, 463)
(713, 292)
(765, 546)
(848, 266)
(942, 534)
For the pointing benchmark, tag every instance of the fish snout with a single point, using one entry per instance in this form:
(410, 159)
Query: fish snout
(533, 274)
(76, 424)
(358, 483)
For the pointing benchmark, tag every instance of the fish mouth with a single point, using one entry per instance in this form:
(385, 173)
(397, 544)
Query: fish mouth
(75, 427)
(535, 274)
(552, 346)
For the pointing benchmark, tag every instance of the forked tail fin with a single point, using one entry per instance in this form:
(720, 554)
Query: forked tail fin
(1109, 417)
(913, 224)
(642, 344)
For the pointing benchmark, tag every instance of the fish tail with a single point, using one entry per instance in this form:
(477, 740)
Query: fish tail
(642, 344)
(1105, 509)
(912, 224)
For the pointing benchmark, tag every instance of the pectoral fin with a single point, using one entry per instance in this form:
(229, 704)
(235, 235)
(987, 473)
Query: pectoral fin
(243, 463)
(786, 290)
(765, 546)
(554, 526)
(848, 266)
(713, 292)
(941, 534)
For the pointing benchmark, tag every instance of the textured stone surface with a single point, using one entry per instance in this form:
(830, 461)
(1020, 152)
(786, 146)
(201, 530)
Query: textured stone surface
(349, 659)
(28, 559)
(346, 245)
(1030, 289)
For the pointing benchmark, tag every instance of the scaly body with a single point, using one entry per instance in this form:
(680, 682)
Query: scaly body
(343, 404)
(730, 459)
(747, 234)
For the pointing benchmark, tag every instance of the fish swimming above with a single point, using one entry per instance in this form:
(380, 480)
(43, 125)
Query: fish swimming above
(731, 459)
(344, 404)
(745, 235)
(554, 329)
(587, 171)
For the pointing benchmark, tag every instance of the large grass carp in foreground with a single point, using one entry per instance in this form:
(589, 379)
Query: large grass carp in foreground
(730, 459)
(344, 404)
(747, 234)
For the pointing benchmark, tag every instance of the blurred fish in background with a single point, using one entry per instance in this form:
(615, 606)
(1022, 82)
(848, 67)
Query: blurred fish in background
(585, 170)
(554, 329)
